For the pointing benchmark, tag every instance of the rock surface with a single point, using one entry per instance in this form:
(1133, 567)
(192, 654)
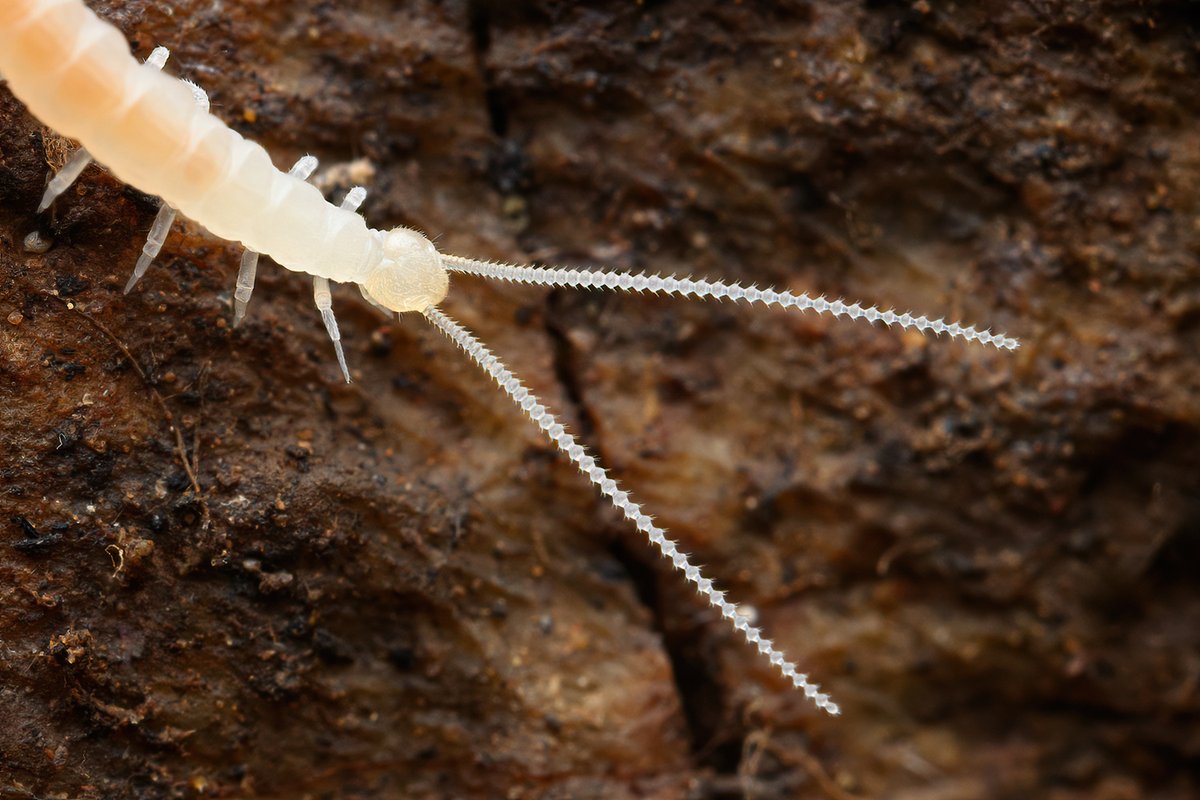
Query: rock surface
(225, 573)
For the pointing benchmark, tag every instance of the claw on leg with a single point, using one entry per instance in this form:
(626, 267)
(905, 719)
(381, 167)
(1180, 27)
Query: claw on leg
(65, 177)
(154, 242)
(166, 214)
(324, 301)
(249, 268)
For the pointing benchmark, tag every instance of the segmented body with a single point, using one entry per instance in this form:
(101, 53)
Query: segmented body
(75, 73)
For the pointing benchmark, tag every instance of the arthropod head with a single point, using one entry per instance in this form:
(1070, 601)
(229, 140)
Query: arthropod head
(411, 276)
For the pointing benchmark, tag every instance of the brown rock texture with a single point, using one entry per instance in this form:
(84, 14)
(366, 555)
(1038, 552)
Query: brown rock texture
(224, 573)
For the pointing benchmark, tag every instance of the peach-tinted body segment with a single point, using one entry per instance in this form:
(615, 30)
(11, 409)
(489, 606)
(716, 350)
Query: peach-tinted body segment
(155, 127)
(75, 72)
(11, 11)
(96, 81)
(206, 166)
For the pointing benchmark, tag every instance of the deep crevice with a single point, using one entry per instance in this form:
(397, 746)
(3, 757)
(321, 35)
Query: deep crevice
(563, 371)
(479, 16)
(695, 682)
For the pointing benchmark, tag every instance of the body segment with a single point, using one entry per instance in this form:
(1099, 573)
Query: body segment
(75, 72)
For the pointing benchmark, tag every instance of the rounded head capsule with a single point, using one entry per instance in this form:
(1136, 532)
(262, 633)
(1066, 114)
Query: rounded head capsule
(411, 276)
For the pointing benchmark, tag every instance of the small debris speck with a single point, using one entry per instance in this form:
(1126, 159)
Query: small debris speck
(69, 285)
(37, 244)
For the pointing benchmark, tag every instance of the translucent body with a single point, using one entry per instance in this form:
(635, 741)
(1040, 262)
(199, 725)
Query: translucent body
(75, 73)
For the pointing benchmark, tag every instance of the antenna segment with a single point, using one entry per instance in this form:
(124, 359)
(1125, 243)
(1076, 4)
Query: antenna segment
(703, 289)
(511, 385)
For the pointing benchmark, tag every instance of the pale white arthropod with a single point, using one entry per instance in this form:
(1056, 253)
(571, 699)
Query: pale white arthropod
(75, 73)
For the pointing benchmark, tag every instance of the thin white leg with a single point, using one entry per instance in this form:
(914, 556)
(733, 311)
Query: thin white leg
(80, 160)
(324, 301)
(199, 95)
(166, 215)
(354, 198)
(387, 312)
(154, 242)
(248, 271)
(65, 177)
(158, 57)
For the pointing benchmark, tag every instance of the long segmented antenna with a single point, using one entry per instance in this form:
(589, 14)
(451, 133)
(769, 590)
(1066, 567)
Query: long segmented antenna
(588, 465)
(629, 282)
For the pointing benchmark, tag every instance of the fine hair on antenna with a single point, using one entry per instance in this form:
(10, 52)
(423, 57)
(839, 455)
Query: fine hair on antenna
(75, 73)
